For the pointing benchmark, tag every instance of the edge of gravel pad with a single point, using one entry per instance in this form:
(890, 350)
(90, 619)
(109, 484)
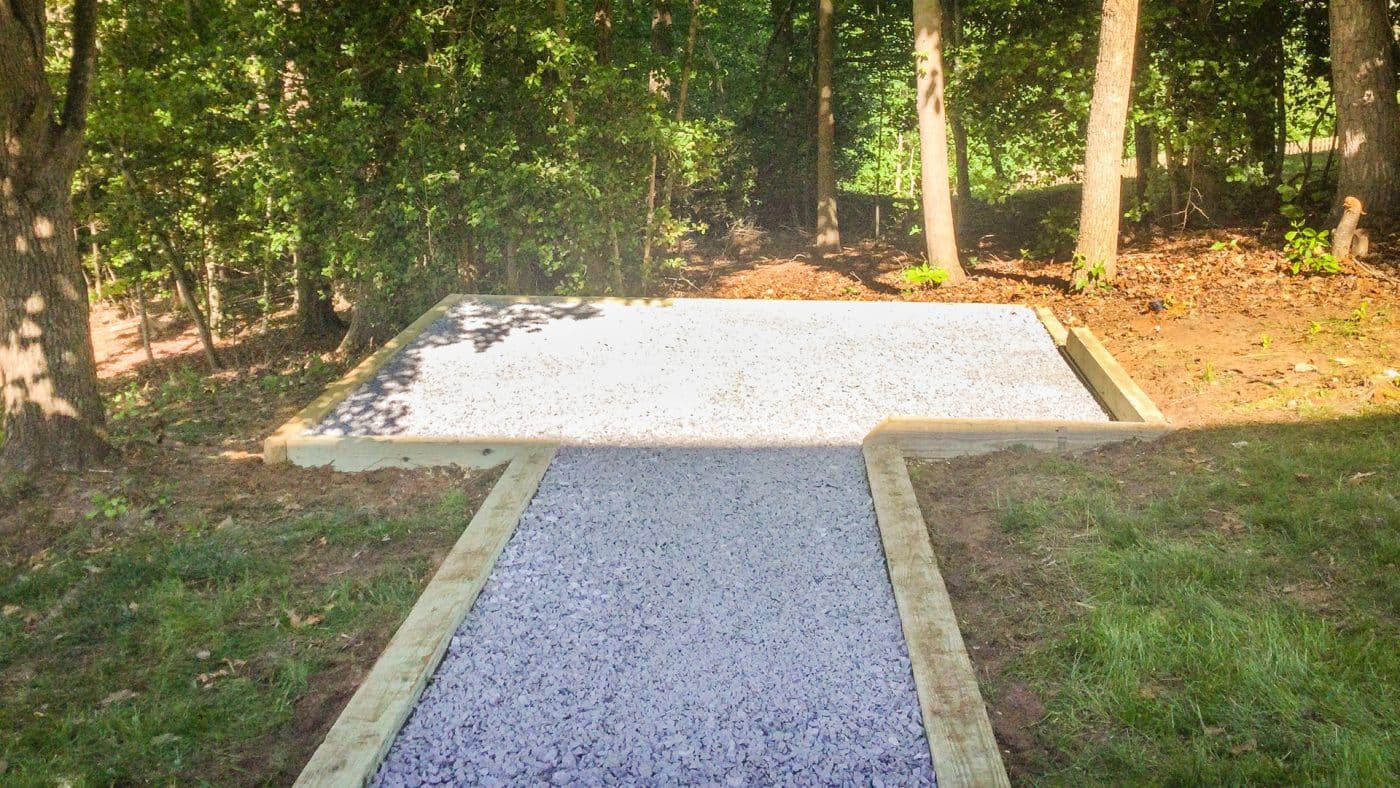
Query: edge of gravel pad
(366, 728)
(956, 724)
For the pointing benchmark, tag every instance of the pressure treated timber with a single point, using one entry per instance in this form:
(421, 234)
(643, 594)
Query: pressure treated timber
(361, 736)
(275, 447)
(1116, 389)
(945, 438)
(1052, 325)
(960, 738)
(367, 453)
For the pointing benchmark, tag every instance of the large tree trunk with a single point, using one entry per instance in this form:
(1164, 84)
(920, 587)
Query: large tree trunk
(1368, 121)
(828, 239)
(939, 235)
(52, 409)
(315, 306)
(1101, 205)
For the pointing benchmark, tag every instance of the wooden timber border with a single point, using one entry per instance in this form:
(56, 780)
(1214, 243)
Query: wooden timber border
(961, 742)
(364, 731)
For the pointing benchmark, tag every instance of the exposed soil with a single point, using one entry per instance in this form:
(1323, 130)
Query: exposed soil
(1213, 335)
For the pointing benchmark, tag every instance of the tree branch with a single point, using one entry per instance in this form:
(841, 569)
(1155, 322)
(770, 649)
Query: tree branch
(75, 101)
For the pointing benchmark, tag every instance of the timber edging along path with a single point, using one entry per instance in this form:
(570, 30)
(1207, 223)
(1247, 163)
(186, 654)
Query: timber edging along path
(959, 733)
(363, 732)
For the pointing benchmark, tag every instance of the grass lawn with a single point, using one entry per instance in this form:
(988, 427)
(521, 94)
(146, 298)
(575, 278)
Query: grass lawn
(1221, 607)
(185, 614)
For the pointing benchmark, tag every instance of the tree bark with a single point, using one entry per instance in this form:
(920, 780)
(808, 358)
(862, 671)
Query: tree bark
(143, 315)
(1145, 151)
(53, 414)
(185, 289)
(828, 237)
(1101, 205)
(939, 235)
(603, 23)
(1368, 121)
(661, 47)
(315, 306)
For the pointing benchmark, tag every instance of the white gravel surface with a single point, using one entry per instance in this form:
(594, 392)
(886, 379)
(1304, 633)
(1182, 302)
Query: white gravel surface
(679, 616)
(668, 614)
(708, 372)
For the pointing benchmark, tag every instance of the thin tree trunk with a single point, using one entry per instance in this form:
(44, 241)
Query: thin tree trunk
(828, 236)
(143, 315)
(661, 47)
(1146, 154)
(939, 235)
(602, 22)
(53, 414)
(97, 278)
(1101, 205)
(185, 289)
(683, 88)
(1368, 120)
(213, 288)
(964, 168)
(561, 18)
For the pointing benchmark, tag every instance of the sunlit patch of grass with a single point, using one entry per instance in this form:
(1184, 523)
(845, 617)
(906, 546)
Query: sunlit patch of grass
(179, 654)
(1233, 618)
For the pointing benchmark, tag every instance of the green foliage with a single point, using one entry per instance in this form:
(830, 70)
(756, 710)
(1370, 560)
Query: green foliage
(924, 274)
(1307, 251)
(1086, 276)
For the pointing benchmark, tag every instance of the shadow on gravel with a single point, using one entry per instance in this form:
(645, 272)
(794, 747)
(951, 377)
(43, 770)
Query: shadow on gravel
(370, 411)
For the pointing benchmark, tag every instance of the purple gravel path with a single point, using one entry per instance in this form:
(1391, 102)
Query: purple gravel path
(667, 616)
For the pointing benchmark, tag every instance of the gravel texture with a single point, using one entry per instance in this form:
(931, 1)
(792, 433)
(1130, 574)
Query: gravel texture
(704, 372)
(668, 616)
(697, 592)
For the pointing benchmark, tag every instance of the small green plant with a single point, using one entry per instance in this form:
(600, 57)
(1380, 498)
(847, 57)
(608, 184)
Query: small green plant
(1221, 246)
(1307, 250)
(924, 274)
(1208, 372)
(109, 507)
(1265, 340)
(1085, 276)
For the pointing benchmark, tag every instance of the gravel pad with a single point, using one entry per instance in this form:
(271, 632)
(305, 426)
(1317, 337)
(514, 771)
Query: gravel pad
(667, 616)
(707, 372)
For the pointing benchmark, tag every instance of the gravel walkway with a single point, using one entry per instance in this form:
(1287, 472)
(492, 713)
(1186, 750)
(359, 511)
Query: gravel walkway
(697, 592)
(704, 372)
(679, 616)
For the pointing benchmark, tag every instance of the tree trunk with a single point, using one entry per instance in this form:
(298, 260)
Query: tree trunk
(213, 288)
(369, 324)
(683, 89)
(939, 235)
(185, 289)
(53, 412)
(1101, 205)
(315, 306)
(661, 47)
(602, 22)
(1145, 151)
(964, 169)
(828, 238)
(1368, 121)
(143, 315)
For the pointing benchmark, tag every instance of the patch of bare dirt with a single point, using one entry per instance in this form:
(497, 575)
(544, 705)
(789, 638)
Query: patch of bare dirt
(1210, 323)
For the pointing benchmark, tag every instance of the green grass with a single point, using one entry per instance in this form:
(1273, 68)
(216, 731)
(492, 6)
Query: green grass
(146, 649)
(1227, 606)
